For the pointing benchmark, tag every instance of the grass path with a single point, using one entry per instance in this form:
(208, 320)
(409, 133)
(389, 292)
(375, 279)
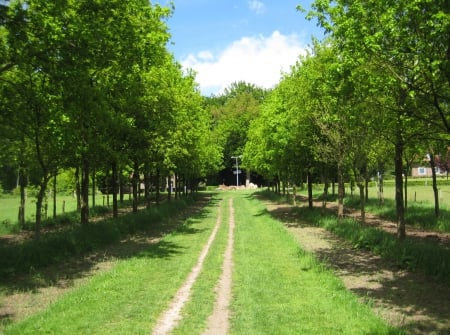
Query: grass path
(276, 287)
(172, 315)
(218, 322)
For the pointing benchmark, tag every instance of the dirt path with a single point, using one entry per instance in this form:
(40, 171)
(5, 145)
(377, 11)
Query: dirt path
(218, 322)
(402, 298)
(170, 318)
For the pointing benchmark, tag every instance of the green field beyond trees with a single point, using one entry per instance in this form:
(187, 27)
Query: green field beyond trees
(277, 287)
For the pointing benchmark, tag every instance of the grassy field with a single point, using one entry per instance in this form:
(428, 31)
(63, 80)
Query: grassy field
(277, 287)
(419, 193)
(9, 208)
(9, 205)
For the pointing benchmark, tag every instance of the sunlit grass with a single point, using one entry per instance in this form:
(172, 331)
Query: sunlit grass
(9, 207)
(200, 306)
(129, 298)
(277, 287)
(280, 289)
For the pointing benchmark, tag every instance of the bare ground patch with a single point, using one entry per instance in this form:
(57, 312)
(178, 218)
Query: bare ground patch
(402, 298)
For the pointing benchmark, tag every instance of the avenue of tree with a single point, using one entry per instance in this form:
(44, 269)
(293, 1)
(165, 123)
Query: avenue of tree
(89, 86)
(374, 93)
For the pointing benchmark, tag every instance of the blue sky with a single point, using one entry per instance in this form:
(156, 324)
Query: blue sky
(251, 40)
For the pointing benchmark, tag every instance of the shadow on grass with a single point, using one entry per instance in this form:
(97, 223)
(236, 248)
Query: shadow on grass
(423, 303)
(143, 239)
(407, 299)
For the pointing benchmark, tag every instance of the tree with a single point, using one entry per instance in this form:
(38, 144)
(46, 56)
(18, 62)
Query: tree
(371, 32)
(232, 114)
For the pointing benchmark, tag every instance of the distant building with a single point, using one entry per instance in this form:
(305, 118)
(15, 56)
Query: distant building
(422, 171)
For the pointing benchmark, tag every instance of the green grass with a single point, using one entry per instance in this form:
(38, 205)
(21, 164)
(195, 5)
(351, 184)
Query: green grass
(420, 211)
(129, 298)
(9, 207)
(425, 256)
(280, 289)
(77, 240)
(200, 306)
(277, 287)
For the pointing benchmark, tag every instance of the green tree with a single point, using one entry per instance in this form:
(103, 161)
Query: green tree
(373, 32)
(232, 114)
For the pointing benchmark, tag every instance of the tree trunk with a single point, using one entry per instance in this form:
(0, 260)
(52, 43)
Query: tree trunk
(85, 191)
(341, 191)
(22, 184)
(310, 193)
(380, 189)
(169, 187)
(177, 186)
(107, 188)
(294, 195)
(405, 192)
(333, 188)
(147, 182)
(362, 200)
(78, 188)
(401, 228)
(158, 176)
(135, 181)
(114, 189)
(435, 188)
(39, 201)
(326, 185)
(367, 187)
(93, 187)
(54, 196)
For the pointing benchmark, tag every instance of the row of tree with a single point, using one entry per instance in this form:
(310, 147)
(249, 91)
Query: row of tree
(376, 90)
(90, 85)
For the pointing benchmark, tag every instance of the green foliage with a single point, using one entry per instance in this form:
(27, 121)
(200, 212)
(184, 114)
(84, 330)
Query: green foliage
(232, 114)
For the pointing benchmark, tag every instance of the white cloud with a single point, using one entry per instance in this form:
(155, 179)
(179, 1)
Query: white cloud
(257, 60)
(205, 55)
(256, 6)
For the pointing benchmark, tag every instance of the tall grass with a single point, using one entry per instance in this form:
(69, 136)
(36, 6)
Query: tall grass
(76, 240)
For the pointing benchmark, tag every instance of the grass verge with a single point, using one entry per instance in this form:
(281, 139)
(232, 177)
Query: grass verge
(428, 257)
(52, 247)
(281, 289)
(129, 298)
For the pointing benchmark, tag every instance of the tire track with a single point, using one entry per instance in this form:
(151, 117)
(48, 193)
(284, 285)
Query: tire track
(170, 318)
(218, 322)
